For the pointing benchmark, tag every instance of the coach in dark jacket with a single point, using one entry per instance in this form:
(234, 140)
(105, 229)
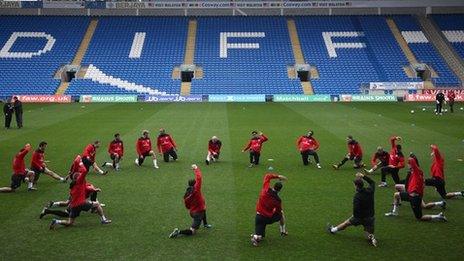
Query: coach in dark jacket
(18, 109)
(8, 110)
(363, 209)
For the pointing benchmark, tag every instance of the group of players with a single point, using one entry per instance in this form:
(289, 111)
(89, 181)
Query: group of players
(83, 195)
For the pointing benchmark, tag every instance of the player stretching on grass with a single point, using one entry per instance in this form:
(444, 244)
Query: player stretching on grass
(308, 145)
(116, 151)
(354, 153)
(214, 149)
(78, 201)
(88, 157)
(414, 193)
(144, 150)
(395, 162)
(20, 173)
(379, 160)
(195, 202)
(438, 175)
(254, 147)
(39, 166)
(269, 209)
(363, 209)
(166, 145)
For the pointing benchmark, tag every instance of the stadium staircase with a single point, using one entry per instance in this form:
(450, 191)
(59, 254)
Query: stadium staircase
(80, 53)
(438, 40)
(189, 54)
(298, 55)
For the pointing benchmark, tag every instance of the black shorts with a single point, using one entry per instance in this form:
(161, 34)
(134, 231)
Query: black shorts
(261, 222)
(146, 154)
(87, 163)
(405, 196)
(216, 156)
(113, 156)
(37, 173)
(76, 211)
(197, 219)
(357, 159)
(439, 185)
(368, 223)
(416, 205)
(16, 181)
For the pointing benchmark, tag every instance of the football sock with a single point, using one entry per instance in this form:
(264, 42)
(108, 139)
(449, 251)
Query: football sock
(439, 203)
(30, 185)
(395, 208)
(101, 171)
(155, 163)
(186, 232)
(333, 229)
(342, 162)
(103, 218)
(435, 217)
(282, 228)
(456, 193)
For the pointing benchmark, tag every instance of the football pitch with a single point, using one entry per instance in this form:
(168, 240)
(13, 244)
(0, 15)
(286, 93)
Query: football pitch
(146, 204)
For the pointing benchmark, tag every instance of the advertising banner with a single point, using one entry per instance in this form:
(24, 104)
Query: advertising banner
(173, 98)
(237, 98)
(63, 4)
(10, 4)
(396, 85)
(44, 98)
(367, 98)
(32, 4)
(95, 4)
(445, 91)
(301, 98)
(428, 97)
(108, 98)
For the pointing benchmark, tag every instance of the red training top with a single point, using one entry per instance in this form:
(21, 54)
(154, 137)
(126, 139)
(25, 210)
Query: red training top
(255, 144)
(451, 95)
(143, 145)
(19, 167)
(116, 147)
(89, 152)
(354, 149)
(269, 202)
(165, 143)
(77, 165)
(396, 158)
(78, 191)
(382, 157)
(438, 164)
(416, 179)
(214, 147)
(38, 159)
(305, 143)
(194, 200)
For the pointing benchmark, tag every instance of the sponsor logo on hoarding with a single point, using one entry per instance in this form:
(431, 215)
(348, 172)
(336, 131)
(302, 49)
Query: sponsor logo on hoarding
(173, 98)
(301, 98)
(44, 98)
(237, 98)
(108, 98)
(396, 85)
(10, 4)
(373, 98)
(445, 91)
(428, 97)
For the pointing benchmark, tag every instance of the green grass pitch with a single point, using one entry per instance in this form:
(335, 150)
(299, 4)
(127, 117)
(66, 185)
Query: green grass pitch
(146, 204)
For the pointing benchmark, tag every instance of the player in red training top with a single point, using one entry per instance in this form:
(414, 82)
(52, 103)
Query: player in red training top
(214, 149)
(78, 201)
(88, 157)
(378, 160)
(414, 193)
(166, 145)
(395, 162)
(143, 147)
(438, 175)
(39, 166)
(195, 202)
(308, 145)
(254, 147)
(116, 151)
(269, 208)
(451, 96)
(20, 173)
(355, 154)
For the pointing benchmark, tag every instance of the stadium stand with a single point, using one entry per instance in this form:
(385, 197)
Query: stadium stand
(42, 44)
(424, 51)
(133, 55)
(452, 27)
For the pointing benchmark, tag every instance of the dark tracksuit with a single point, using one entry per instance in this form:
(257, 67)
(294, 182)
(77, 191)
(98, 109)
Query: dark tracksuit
(8, 110)
(18, 108)
(440, 99)
(363, 206)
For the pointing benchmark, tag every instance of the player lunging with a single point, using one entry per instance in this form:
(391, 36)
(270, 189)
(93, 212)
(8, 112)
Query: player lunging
(363, 209)
(89, 155)
(166, 146)
(214, 149)
(116, 151)
(308, 146)
(254, 147)
(379, 160)
(144, 150)
(395, 162)
(39, 166)
(195, 202)
(269, 208)
(354, 153)
(20, 173)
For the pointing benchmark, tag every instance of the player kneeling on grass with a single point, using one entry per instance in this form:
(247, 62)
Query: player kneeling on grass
(20, 173)
(166, 146)
(214, 149)
(308, 145)
(144, 149)
(379, 160)
(414, 192)
(39, 166)
(363, 209)
(438, 175)
(116, 151)
(269, 208)
(254, 147)
(79, 202)
(354, 154)
(88, 157)
(395, 162)
(195, 202)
